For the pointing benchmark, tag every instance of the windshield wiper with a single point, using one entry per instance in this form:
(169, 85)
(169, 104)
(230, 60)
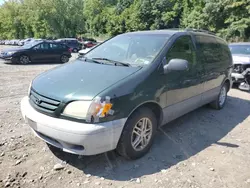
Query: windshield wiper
(112, 61)
(90, 60)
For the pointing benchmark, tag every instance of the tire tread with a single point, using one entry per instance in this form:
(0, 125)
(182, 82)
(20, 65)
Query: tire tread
(122, 144)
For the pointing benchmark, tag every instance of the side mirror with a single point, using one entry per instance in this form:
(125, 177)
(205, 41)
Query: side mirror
(176, 65)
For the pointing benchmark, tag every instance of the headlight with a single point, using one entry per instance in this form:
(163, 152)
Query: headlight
(91, 111)
(10, 53)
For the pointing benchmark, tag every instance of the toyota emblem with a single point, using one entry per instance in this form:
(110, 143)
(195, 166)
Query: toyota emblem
(37, 101)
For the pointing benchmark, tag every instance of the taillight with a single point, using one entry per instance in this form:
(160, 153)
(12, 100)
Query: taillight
(70, 49)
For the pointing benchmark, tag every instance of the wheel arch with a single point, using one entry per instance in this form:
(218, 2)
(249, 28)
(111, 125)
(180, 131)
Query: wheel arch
(228, 83)
(152, 105)
(23, 53)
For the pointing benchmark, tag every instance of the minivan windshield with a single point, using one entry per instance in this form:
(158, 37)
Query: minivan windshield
(240, 49)
(131, 49)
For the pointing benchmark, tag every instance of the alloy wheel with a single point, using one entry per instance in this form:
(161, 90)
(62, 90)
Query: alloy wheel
(24, 59)
(141, 134)
(64, 59)
(223, 95)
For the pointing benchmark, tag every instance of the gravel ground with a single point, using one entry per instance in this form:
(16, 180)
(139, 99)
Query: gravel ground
(203, 149)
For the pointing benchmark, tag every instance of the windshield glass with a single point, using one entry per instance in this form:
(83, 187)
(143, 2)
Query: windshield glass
(240, 49)
(134, 49)
(30, 44)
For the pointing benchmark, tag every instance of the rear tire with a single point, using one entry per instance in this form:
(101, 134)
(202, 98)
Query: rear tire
(24, 59)
(64, 59)
(220, 102)
(138, 134)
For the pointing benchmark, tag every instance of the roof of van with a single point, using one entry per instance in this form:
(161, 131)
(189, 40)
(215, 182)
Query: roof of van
(167, 31)
(171, 31)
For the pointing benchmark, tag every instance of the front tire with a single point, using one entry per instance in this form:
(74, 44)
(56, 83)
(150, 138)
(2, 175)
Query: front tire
(138, 134)
(220, 102)
(24, 59)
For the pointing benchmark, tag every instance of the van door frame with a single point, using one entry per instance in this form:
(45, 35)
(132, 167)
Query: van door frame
(173, 111)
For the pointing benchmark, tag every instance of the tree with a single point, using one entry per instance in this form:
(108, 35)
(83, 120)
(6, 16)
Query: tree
(63, 18)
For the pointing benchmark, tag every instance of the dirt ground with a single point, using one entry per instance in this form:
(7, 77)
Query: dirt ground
(203, 149)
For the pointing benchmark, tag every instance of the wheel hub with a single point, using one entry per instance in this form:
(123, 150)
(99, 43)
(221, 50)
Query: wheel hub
(141, 134)
(222, 96)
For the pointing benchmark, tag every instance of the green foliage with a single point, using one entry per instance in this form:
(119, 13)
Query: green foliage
(63, 18)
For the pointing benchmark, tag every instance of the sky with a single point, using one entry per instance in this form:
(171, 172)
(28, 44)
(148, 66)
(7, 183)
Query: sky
(1, 2)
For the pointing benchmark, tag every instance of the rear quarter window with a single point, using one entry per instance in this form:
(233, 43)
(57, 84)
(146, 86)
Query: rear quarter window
(214, 50)
(225, 51)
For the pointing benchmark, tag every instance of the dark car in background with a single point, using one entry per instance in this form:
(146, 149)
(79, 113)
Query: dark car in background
(71, 43)
(241, 64)
(38, 51)
(123, 90)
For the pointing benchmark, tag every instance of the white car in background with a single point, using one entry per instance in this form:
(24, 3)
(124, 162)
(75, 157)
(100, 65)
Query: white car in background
(84, 51)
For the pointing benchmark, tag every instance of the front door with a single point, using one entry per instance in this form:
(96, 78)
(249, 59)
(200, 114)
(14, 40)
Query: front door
(183, 88)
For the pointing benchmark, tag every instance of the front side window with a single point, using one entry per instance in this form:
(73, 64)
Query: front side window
(42, 46)
(182, 48)
(55, 46)
(133, 49)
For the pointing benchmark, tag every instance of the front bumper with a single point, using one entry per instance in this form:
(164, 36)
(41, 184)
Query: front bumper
(6, 58)
(237, 77)
(9, 59)
(70, 136)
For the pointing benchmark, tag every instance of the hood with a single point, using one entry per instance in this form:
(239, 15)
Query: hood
(241, 59)
(79, 80)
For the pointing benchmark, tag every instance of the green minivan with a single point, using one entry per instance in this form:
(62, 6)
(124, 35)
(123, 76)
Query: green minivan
(121, 91)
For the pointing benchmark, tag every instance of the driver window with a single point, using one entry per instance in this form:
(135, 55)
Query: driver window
(182, 49)
(43, 46)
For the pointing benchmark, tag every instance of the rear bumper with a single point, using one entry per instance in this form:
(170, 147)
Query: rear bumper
(70, 136)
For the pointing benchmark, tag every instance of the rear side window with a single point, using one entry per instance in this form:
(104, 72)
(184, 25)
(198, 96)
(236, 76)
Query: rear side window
(225, 51)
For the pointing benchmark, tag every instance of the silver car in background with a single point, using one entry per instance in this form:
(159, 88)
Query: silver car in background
(241, 63)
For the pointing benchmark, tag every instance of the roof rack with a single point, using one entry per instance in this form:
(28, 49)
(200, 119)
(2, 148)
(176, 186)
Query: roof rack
(200, 30)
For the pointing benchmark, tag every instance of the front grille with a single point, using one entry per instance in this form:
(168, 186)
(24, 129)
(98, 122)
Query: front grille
(43, 103)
